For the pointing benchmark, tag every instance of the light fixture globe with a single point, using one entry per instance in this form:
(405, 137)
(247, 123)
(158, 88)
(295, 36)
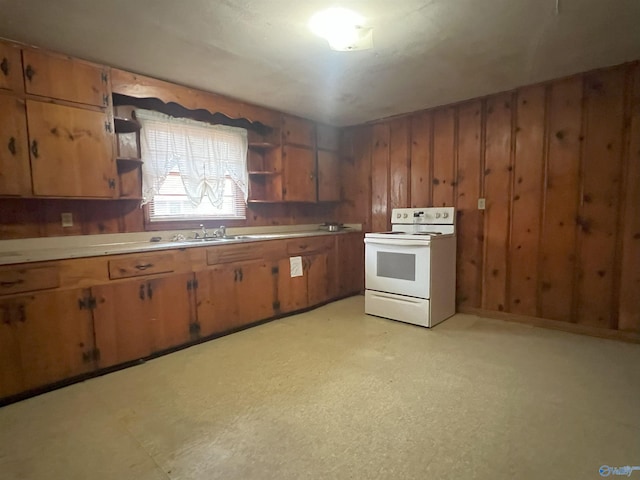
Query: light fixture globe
(342, 28)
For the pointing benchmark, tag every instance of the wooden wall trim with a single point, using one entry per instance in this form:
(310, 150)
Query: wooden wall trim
(140, 86)
(554, 324)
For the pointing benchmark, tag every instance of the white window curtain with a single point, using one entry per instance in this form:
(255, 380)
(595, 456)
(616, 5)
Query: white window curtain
(203, 153)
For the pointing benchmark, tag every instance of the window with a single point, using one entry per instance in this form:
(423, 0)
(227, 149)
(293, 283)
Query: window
(192, 170)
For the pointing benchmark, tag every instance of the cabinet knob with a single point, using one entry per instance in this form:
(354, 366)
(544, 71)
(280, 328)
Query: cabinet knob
(34, 148)
(4, 66)
(29, 72)
(12, 145)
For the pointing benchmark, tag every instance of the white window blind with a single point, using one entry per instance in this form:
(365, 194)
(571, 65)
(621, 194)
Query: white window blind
(192, 170)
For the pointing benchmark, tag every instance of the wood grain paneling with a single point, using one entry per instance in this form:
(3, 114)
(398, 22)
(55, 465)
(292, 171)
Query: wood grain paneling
(355, 170)
(469, 221)
(421, 136)
(562, 188)
(629, 306)
(399, 163)
(526, 200)
(559, 167)
(497, 188)
(604, 96)
(380, 179)
(443, 157)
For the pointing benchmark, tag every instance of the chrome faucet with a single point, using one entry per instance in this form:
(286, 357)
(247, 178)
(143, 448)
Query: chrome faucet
(220, 232)
(204, 231)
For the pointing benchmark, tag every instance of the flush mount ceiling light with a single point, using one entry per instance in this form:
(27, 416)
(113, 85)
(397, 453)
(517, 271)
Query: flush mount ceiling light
(343, 29)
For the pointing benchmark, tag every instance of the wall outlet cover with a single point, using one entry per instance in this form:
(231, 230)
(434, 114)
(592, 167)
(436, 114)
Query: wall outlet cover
(481, 204)
(67, 219)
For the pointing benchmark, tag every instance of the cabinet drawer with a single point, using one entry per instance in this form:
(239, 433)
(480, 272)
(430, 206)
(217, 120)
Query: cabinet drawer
(16, 280)
(139, 265)
(65, 78)
(234, 253)
(301, 246)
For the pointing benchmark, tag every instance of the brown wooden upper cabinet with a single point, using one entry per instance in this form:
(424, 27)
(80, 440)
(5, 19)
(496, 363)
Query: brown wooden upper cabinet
(298, 131)
(15, 173)
(10, 68)
(71, 151)
(299, 174)
(65, 78)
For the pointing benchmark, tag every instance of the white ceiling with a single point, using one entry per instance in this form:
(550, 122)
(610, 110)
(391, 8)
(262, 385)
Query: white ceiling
(426, 53)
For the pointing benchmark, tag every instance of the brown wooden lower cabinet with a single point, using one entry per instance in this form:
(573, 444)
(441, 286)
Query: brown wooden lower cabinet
(44, 337)
(312, 288)
(134, 319)
(52, 335)
(232, 295)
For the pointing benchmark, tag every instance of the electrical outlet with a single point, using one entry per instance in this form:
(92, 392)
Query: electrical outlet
(67, 219)
(481, 204)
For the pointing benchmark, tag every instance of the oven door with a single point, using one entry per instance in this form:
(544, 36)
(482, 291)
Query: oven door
(397, 266)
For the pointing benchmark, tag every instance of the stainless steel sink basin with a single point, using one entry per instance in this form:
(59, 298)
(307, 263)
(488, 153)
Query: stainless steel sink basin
(208, 239)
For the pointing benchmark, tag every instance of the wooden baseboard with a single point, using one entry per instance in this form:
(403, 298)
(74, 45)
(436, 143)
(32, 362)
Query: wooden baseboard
(631, 337)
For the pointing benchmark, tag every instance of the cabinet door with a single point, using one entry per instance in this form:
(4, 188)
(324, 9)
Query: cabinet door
(318, 278)
(65, 78)
(15, 173)
(233, 295)
(121, 322)
(298, 131)
(10, 68)
(328, 177)
(292, 291)
(298, 165)
(44, 338)
(255, 292)
(71, 151)
(216, 299)
(171, 311)
(134, 319)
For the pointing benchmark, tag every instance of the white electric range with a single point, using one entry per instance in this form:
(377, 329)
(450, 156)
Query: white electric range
(410, 272)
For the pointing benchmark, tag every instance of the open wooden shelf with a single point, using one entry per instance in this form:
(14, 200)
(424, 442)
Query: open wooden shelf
(127, 164)
(126, 125)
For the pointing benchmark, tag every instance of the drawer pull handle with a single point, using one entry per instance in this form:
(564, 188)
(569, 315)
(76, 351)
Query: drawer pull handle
(34, 149)
(144, 266)
(11, 284)
(304, 247)
(4, 66)
(29, 72)
(12, 145)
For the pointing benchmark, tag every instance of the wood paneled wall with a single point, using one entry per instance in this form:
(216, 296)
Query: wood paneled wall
(559, 167)
(28, 218)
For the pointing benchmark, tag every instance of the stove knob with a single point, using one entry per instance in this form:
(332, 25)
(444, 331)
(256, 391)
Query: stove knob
(405, 215)
(445, 215)
(398, 215)
(437, 215)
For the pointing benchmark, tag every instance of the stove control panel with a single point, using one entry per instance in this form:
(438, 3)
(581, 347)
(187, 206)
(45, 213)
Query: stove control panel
(422, 216)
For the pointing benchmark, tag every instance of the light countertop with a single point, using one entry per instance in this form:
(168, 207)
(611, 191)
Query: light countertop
(58, 248)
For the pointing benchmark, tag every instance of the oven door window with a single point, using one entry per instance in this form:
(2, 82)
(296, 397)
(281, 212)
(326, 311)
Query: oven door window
(401, 266)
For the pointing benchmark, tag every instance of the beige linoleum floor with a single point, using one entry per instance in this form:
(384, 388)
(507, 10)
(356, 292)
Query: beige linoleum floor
(333, 393)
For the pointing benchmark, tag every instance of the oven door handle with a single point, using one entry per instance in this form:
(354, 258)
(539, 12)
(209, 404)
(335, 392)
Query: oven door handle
(398, 243)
